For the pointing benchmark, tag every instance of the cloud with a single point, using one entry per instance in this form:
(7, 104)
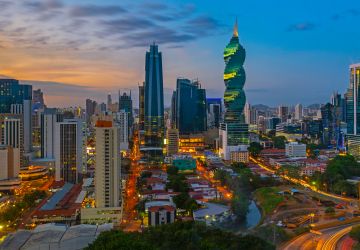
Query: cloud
(118, 26)
(45, 5)
(301, 26)
(203, 25)
(96, 10)
(160, 35)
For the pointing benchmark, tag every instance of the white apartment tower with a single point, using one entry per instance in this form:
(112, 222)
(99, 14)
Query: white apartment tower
(298, 112)
(108, 169)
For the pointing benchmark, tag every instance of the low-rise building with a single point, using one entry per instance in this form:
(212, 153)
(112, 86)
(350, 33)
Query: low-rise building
(295, 150)
(159, 215)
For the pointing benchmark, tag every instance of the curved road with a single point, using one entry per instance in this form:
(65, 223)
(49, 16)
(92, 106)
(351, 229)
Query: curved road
(328, 239)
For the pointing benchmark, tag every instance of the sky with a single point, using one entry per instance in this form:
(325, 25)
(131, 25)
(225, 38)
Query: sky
(297, 51)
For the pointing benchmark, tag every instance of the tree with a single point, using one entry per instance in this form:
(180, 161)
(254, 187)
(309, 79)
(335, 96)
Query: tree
(279, 142)
(221, 175)
(329, 210)
(239, 206)
(355, 233)
(255, 149)
(178, 236)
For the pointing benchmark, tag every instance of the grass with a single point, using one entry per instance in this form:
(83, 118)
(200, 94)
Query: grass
(268, 198)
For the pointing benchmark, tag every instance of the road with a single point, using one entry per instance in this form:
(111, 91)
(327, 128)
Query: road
(332, 241)
(329, 239)
(305, 184)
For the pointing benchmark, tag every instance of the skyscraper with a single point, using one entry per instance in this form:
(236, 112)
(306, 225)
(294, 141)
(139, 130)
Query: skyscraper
(189, 109)
(154, 99)
(234, 131)
(283, 113)
(122, 122)
(214, 109)
(38, 99)
(90, 109)
(141, 107)
(352, 101)
(298, 112)
(69, 150)
(49, 118)
(107, 170)
(125, 104)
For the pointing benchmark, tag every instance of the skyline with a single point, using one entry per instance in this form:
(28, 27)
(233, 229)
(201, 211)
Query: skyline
(84, 44)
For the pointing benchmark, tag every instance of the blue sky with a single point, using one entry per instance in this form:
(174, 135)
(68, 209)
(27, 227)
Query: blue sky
(297, 51)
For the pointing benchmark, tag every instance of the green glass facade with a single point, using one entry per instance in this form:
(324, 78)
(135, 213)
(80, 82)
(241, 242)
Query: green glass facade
(234, 96)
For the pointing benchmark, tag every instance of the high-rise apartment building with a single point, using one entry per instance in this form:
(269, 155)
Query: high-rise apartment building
(107, 170)
(123, 123)
(69, 150)
(283, 113)
(234, 131)
(172, 136)
(154, 99)
(189, 111)
(141, 107)
(49, 118)
(298, 112)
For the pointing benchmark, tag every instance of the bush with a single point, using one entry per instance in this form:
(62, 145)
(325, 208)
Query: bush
(355, 233)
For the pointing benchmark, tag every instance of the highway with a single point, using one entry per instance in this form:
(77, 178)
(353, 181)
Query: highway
(326, 239)
(331, 242)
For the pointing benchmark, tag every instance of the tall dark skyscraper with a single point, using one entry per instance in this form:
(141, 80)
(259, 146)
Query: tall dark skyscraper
(234, 130)
(189, 107)
(154, 98)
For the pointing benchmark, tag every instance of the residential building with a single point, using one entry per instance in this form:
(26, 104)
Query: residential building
(298, 112)
(123, 123)
(283, 113)
(159, 215)
(49, 118)
(172, 141)
(69, 150)
(107, 169)
(295, 150)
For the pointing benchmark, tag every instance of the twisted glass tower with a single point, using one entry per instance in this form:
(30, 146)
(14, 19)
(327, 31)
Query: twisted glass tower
(234, 96)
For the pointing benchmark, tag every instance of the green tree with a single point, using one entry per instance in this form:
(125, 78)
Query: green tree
(255, 149)
(355, 233)
(221, 176)
(279, 142)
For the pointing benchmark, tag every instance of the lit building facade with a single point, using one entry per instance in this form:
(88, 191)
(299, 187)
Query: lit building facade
(107, 170)
(11, 92)
(189, 107)
(234, 131)
(352, 101)
(154, 105)
(70, 150)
